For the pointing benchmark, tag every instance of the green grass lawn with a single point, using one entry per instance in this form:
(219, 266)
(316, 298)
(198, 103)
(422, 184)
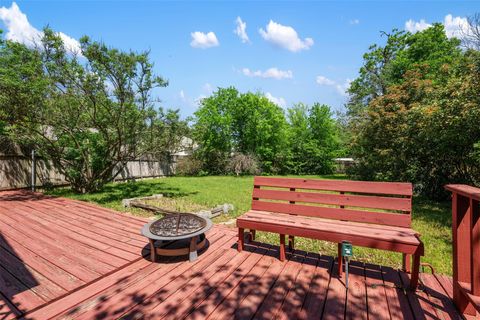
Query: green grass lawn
(431, 219)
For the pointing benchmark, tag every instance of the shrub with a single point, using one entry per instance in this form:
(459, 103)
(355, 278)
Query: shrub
(189, 166)
(241, 164)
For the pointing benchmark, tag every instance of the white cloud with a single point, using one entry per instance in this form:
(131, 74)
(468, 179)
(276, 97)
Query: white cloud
(355, 21)
(273, 73)
(20, 30)
(241, 30)
(204, 40)
(207, 88)
(285, 37)
(341, 88)
(278, 101)
(182, 95)
(324, 81)
(454, 26)
(416, 26)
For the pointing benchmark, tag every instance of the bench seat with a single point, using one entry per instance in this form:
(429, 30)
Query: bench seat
(392, 238)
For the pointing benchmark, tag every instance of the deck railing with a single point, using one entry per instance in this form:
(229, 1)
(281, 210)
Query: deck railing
(466, 247)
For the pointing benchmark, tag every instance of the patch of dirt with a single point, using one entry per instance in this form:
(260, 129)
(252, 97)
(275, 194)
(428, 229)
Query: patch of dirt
(176, 204)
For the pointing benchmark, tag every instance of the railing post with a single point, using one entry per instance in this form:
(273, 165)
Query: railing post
(466, 247)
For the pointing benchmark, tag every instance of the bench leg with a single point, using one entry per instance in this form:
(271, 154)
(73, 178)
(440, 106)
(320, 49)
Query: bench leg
(241, 239)
(415, 272)
(407, 264)
(153, 251)
(192, 255)
(251, 236)
(282, 247)
(291, 242)
(340, 260)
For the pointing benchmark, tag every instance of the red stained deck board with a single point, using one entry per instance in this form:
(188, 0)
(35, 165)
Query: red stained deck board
(249, 295)
(203, 306)
(179, 285)
(212, 289)
(18, 293)
(62, 215)
(336, 296)
(397, 300)
(35, 281)
(179, 302)
(376, 294)
(421, 306)
(111, 245)
(231, 301)
(115, 301)
(64, 237)
(7, 310)
(314, 302)
(51, 253)
(99, 215)
(86, 215)
(293, 301)
(56, 244)
(41, 265)
(437, 296)
(119, 279)
(272, 303)
(356, 306)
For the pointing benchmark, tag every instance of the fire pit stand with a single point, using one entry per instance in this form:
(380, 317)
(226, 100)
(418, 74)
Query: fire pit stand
(178, 234)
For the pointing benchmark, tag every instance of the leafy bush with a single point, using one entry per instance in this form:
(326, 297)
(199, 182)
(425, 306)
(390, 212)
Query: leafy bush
(241, 164)
(424, 125)
(189, 166)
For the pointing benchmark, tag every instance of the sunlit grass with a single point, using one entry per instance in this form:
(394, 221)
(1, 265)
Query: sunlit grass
(431, 219)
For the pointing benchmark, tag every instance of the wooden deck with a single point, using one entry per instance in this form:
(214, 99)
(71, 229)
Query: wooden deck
(66, 259)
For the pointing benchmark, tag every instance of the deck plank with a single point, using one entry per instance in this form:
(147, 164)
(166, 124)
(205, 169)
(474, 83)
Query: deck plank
(231, 301)
(200, 286)
(292, 304)
(57, 217)
(356, 307)
(272, 303)
(336, 296)
(397, 300)
(64, 237)
(376, 294)
(204, 304)
(116, 300)
(315, 300)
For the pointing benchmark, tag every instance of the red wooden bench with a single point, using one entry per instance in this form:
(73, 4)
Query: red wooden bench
(334, 210)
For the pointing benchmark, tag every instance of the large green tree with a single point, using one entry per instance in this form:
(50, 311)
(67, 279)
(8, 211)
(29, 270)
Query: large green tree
(230, 122)
(313, 139)
(88, 113)
(423, 127)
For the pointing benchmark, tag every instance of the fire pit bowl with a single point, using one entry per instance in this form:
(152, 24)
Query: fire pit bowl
(177, 234)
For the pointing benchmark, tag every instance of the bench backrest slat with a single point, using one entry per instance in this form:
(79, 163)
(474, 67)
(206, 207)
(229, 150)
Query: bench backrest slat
(331, 199)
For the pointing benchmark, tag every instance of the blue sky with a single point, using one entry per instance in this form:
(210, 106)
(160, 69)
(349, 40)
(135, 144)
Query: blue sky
(296, 51)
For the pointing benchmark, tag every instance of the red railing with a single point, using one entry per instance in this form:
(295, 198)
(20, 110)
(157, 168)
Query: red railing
(466, 247)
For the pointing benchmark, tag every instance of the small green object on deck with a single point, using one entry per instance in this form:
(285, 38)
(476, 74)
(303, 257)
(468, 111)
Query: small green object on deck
(347, 252)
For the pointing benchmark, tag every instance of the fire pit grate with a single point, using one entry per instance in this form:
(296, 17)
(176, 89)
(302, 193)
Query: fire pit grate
(175, 225)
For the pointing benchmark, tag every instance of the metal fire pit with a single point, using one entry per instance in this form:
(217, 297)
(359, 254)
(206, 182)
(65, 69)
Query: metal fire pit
(177, 234)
